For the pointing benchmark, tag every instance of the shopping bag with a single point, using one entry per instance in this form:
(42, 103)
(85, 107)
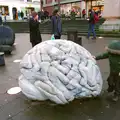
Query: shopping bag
(52, 37)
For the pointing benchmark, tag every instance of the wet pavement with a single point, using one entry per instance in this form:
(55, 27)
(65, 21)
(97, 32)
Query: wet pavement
(18, 107)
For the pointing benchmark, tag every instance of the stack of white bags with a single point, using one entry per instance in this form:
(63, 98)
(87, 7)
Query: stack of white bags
(60, 71)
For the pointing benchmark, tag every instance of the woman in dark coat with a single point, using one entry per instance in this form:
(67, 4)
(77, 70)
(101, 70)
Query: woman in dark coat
(35, 35)
(56, 25)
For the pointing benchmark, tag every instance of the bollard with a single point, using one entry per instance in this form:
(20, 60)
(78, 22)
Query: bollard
(2, 60)
(72, 35)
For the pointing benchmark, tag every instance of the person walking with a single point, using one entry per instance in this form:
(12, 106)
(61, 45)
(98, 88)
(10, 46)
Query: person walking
(83, 13)
(19, 16)
(5, 18)
(1, 22)
(93, 19)
(22, 15)
(35, 35)
(56, 24)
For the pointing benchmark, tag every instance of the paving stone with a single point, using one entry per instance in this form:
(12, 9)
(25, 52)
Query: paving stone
(6, 98)
(26, 116)
(9, 119)
(13, 108)
(46, 112)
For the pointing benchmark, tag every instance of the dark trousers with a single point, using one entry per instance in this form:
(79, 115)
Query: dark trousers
(114, 83)
(83, 16)
(58, 37)
(34, 43)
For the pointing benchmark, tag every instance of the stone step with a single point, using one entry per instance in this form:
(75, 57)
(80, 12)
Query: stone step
(102, 35)
(98, 34)
(117, 35)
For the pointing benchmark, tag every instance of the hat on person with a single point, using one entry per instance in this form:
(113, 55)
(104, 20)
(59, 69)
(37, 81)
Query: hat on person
(34, 14)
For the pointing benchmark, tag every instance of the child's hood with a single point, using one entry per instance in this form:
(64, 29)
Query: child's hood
(114, 47)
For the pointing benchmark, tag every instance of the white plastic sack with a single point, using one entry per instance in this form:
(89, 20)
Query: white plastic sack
(60, 71)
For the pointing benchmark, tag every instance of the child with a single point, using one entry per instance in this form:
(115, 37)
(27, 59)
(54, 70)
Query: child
(113, 54)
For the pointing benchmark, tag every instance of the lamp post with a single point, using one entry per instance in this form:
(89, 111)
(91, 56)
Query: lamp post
(41, 4)
(59, 4)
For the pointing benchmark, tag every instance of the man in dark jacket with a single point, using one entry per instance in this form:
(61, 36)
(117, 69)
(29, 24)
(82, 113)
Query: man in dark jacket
(91, 25)
(22, 15)
(35, 36)
(56, 25)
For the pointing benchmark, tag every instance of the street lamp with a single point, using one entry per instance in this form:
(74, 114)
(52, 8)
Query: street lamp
(41, 4)
(59, 4)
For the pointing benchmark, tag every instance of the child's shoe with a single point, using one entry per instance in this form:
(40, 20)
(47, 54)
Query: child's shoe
(110, 89)
(115, 98)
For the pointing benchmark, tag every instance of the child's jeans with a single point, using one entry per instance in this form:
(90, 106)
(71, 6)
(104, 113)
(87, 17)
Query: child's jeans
(114, 83)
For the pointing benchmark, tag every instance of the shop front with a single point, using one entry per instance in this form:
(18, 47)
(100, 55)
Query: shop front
(49, 9)
(11, 9)
(68, 7)
(4, 10)
(96, 5)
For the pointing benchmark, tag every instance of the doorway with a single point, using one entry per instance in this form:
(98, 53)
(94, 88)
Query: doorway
(14, 11)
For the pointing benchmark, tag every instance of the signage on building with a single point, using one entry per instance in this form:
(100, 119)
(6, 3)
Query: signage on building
(36, 0)
(98, 3)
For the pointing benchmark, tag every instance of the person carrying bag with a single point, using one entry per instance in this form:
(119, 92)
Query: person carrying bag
(56, 25)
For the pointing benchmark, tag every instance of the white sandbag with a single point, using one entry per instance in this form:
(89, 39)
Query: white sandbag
(60, 71)
(30, 90)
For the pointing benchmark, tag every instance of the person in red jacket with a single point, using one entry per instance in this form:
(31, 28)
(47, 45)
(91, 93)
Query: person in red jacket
(93, 19)
(83, 13)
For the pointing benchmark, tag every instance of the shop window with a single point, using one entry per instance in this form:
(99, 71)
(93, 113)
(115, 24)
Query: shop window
(48, 1)
(15, 16)
(29, 0)
(4, 10)
(28, 10)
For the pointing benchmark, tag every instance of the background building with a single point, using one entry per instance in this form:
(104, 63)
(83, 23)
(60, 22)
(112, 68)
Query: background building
(65, 5)
(77, 5)
(97, 5)
(11, 7)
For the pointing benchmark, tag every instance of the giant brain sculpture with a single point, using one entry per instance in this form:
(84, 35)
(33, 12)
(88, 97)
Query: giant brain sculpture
(60, 71)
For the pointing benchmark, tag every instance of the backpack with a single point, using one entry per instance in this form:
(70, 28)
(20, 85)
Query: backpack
(96, 18)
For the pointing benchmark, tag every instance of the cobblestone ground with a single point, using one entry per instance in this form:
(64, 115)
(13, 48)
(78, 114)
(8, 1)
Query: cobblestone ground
(18, 107)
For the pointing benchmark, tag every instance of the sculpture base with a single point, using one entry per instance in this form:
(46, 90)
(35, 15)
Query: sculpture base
(110, 25)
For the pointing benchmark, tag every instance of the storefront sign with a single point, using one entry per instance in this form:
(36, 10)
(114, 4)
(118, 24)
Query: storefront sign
(97, 3)
(35, 0)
